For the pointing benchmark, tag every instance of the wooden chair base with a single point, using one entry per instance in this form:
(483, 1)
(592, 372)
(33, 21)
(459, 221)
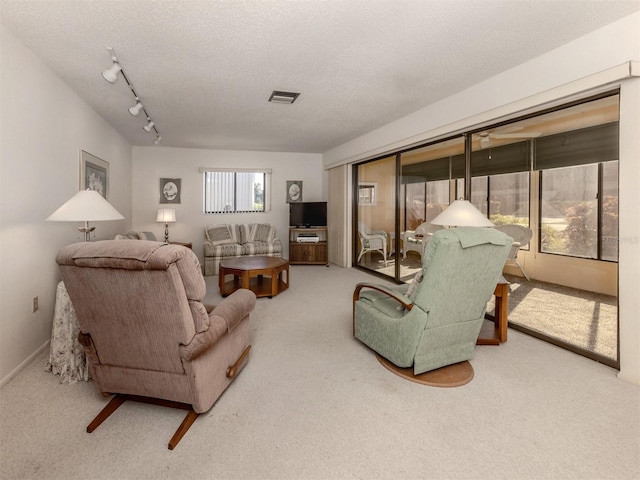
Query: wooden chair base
(119, 399)
(450, 376)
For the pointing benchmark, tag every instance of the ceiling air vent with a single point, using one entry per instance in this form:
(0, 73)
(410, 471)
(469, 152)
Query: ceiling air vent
(283, 97)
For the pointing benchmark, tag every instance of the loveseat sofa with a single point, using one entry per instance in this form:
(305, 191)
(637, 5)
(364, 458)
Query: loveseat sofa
(136, 236)
(237, 240)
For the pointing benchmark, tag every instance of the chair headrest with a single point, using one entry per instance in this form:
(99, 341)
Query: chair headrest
(137, 255)
(472, 236)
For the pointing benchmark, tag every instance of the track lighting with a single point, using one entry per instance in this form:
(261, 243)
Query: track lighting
(111, 75)
(135, 110)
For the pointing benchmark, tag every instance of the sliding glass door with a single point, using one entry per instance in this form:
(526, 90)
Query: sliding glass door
(375, 214)
(555, 173)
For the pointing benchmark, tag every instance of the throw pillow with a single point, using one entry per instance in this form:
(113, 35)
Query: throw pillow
(262, 232)
(219, 234)
(412, 287)
(414, 284)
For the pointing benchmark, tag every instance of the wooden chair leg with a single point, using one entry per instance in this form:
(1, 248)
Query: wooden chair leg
(182, 429)
(119, 399)
(111, 407)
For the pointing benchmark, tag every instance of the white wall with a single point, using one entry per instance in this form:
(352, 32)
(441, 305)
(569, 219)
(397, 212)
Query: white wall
(629, 233)
(150, 164)
(43, 127)
(521, 88)
(585, 65)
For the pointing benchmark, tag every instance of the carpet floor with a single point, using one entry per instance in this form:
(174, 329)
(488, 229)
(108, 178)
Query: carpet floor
(583, 319)
(314, 403)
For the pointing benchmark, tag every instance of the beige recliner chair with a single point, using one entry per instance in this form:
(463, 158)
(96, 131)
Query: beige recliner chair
(147, 335)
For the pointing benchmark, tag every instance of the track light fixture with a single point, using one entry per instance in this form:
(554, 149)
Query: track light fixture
(111, 75)
(135, 110)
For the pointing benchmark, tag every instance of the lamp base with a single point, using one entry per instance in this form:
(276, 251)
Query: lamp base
(87, 232)
(166, 233)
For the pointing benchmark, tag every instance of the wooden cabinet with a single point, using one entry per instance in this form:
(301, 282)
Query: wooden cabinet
(308, 253)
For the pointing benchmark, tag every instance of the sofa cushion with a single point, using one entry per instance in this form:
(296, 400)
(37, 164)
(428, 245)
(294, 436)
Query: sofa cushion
(262, 232)
(261, 248)
(136, 236)
(147, 236)
(219, 234)
(244, 232)
(129, 236)
(223, 250)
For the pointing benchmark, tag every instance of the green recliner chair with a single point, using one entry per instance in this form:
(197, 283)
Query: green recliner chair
(436, 321)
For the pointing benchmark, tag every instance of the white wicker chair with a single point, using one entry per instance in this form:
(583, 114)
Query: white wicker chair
(372, 241)
(416, 240)
(521, 237)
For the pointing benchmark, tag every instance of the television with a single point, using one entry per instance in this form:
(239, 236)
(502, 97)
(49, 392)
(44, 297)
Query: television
(308, 214)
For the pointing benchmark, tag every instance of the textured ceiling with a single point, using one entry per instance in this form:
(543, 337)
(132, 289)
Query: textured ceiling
(205, 69)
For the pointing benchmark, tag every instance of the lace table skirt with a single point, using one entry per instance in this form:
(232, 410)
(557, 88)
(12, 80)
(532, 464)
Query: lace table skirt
(66, 354)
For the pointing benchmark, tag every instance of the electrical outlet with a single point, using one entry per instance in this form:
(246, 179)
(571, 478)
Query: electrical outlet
(35, 304)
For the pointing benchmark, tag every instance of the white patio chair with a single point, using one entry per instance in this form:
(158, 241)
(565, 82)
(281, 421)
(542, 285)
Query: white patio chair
(372, 241)
(521, 237)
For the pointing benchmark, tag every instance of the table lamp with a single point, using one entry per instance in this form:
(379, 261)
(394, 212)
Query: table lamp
(461, 213)
(86, 206)
(166, 216)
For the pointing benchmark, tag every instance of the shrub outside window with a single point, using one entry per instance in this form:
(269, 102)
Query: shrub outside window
(579, 211)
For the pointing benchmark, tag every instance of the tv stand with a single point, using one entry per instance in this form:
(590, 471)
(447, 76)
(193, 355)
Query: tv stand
(308, 253)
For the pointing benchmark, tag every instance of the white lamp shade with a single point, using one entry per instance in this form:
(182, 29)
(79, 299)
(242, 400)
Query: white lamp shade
(135, 110)
(111, 74)
(86, 205)
(462, 213)
(149, 126)
(166, 215)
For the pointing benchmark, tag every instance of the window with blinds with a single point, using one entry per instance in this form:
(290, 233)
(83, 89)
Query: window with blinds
(235, 191)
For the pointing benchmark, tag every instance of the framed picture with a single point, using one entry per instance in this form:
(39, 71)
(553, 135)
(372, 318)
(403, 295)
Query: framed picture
(367, 193)
(170, 190)
(94, 173)
(294, 191)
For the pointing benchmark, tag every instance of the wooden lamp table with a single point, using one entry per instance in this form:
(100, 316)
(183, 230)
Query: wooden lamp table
(497, 333)
(264, 276)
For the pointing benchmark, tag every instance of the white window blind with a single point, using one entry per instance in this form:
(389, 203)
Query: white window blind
(236, 190)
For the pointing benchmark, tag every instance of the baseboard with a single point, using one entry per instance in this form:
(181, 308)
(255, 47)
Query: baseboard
(26, 362)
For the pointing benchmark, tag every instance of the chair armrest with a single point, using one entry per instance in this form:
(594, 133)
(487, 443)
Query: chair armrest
(235, 307)
(222, 319)
(201, 342)
(399, 297)
(377, 236)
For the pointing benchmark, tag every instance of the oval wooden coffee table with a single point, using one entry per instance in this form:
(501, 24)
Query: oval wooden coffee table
(264, 276)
